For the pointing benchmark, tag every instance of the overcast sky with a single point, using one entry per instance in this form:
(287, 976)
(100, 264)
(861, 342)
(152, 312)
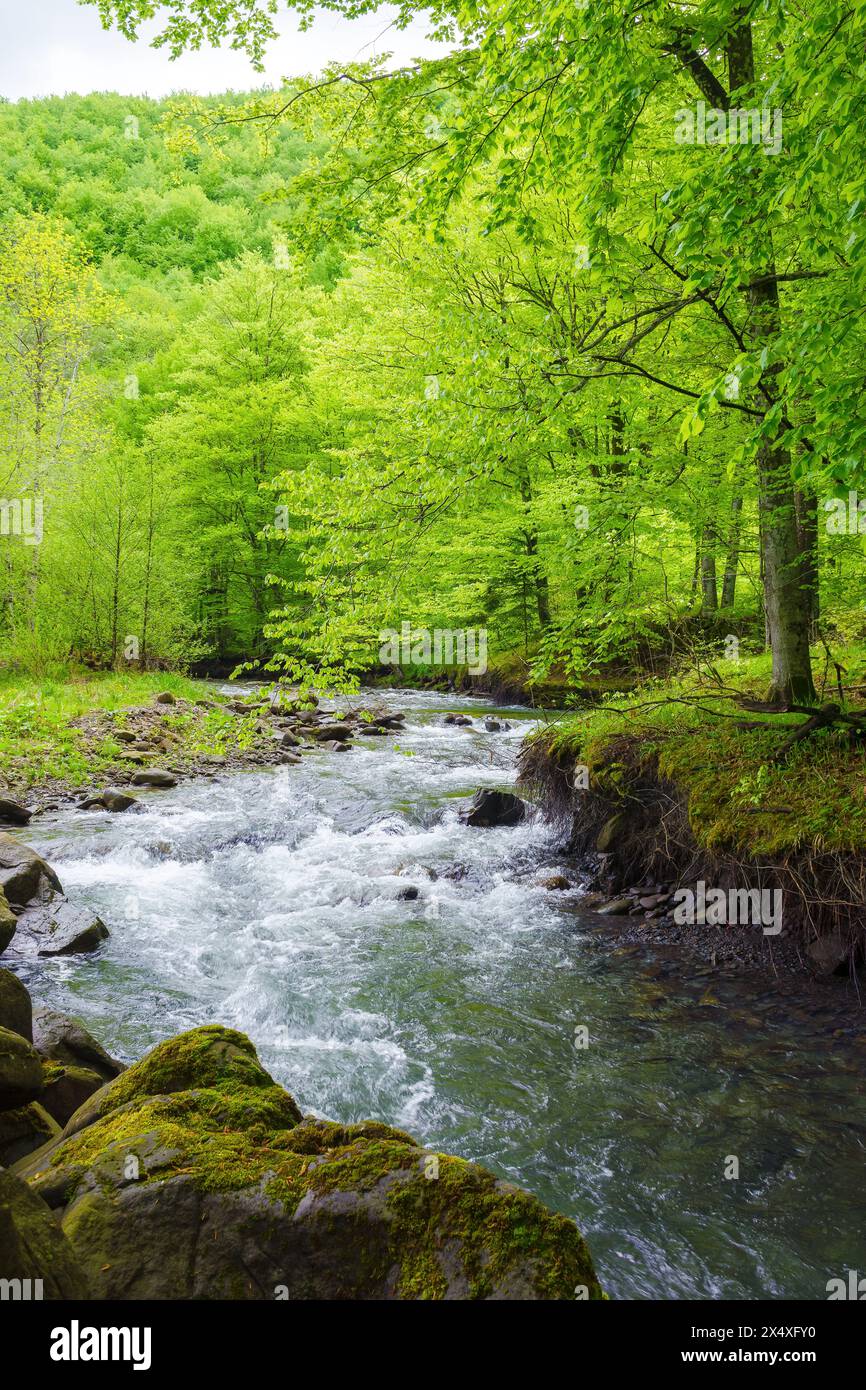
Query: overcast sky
(48, 47)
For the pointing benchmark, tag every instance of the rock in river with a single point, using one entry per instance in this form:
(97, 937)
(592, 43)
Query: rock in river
(495, 808)
(338, 732)
(48, 921)
(59, 929)
(154, 777)
(617, 907)
(108, 800)
(12, 813)
(24, 874)
(193, 1175)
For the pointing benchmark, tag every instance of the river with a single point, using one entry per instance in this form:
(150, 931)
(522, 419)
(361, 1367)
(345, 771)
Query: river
(269, 902)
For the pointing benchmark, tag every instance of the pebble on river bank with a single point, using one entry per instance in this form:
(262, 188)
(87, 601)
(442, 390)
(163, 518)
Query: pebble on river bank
(168, 739)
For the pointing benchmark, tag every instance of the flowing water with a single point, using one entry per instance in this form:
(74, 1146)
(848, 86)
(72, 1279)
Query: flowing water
(270, 902)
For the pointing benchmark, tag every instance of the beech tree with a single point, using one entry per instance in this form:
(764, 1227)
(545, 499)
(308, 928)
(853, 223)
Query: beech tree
(585, 97)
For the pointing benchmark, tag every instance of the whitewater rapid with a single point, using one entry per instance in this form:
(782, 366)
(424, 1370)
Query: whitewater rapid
(271, 902)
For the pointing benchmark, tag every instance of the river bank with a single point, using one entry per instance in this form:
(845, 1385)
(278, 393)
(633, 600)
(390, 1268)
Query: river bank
(64, 745)
(706, 820)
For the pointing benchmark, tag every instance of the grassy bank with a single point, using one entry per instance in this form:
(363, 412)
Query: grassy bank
(55, 734)
(678, 782)
(744, 792)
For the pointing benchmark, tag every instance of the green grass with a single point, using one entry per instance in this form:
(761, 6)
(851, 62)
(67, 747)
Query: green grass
(37, 744)
(739, 797)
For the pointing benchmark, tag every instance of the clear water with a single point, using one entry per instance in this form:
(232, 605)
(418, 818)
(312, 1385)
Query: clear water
(268, 902)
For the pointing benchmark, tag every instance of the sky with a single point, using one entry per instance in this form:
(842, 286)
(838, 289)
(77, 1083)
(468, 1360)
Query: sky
(49, 47)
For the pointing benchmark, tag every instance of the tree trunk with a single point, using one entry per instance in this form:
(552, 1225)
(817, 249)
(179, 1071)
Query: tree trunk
(536, 570)
(806, 507)
(785, 603)
(732, 558)
(709, 587)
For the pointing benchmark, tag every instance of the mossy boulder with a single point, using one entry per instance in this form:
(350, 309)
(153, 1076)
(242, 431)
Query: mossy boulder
(67, 1087)
(193, 1175)
(24, 1130)
(60, 1038)
(24, 874)
(20, 1071)
(33, 1247)
(8, 922)
(16, 1009)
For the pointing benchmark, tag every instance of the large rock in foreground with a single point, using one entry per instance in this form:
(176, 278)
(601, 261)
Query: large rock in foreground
(32, 1246)
(193, 1175)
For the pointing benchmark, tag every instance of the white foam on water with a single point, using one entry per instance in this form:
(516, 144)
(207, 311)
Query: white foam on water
(269, 902)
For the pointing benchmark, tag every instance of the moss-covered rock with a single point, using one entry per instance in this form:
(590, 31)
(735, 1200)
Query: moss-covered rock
(67, 1087)
(33, 1247)
(24, 1130)
(193, 1175)
(16, 1009)
(8, 922)
(20, 1071)
(205, 1057)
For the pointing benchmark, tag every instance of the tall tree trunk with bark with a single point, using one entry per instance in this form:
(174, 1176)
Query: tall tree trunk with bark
(709, 586)
(732, 556)
(806, 506)
(786, 604)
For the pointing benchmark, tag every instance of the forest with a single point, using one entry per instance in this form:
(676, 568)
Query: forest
(433, 665)
(283, 370)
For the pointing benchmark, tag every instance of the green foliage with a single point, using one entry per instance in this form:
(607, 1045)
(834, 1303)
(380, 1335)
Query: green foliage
(488, 343)
(40, 741)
